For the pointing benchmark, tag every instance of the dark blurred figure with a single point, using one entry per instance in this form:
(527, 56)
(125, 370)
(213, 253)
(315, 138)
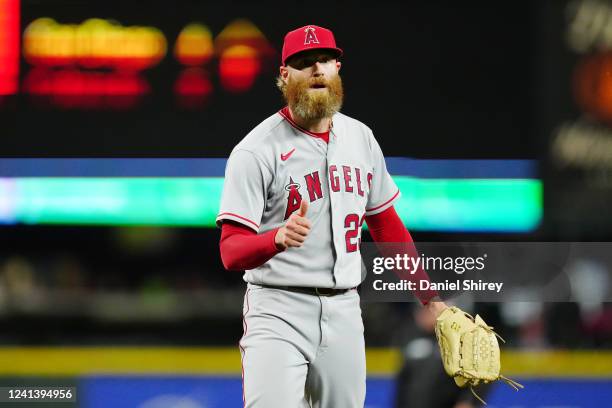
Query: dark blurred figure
(599, 327)
(564, 326)
(422, 382)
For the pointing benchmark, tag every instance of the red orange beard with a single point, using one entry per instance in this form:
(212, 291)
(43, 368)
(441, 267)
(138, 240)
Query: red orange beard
(314, 104)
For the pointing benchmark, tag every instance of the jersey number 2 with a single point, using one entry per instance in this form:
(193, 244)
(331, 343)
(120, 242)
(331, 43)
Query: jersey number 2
(353, 233)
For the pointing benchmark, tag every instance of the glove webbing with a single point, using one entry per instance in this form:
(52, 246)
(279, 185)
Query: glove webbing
(507, 380)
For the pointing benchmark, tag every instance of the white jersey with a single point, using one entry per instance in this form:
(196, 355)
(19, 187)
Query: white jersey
(277, 165)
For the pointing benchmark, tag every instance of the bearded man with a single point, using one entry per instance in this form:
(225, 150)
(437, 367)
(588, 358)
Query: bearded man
(297, 190)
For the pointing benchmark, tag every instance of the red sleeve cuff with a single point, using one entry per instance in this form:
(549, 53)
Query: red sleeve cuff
(241, 248)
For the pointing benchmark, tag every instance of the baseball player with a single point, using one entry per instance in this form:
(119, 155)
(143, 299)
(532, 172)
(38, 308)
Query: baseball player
(297, 190)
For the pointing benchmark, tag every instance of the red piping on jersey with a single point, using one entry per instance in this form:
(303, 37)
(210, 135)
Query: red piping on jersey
(383, 204)
(245, 328)
(286, 113)
(242, 218)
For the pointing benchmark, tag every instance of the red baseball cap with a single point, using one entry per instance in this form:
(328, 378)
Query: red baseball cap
(308, 38)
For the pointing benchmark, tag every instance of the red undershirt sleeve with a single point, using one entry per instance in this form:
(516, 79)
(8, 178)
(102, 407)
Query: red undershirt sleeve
(387, 226)
(242, 248)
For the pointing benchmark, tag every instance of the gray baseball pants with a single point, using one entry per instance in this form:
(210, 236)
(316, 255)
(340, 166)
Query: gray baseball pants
(302, 350)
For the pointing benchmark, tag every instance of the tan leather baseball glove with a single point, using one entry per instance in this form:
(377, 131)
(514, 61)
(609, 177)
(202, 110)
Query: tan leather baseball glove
(469, 349)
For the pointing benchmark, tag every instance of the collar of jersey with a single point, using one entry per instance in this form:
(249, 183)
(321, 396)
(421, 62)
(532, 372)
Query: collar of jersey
(284, 112)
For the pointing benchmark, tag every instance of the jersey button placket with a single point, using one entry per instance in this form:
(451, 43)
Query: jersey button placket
(331, 149)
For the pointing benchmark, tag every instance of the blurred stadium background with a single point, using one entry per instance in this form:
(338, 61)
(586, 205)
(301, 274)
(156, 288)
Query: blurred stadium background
(115, 122)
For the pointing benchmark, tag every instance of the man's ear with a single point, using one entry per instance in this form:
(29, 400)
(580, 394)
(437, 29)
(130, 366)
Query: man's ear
(338, 65)
(284, 72)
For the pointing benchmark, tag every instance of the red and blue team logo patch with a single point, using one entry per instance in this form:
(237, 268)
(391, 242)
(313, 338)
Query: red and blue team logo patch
(294, 198)
(311, 37)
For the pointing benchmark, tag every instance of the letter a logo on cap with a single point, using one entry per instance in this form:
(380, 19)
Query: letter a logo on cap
(311, 37)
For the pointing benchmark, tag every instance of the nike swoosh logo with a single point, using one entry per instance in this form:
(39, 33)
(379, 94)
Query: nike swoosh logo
(287, 155)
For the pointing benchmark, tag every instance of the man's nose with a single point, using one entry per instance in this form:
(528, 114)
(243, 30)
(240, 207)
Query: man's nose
(317, 69)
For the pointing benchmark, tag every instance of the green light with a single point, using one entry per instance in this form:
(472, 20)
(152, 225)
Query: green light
(470, 204)
(119, 201)
(426, 204)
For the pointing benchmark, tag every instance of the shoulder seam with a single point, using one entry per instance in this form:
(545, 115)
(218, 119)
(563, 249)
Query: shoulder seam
(267, 134)
(257, 157)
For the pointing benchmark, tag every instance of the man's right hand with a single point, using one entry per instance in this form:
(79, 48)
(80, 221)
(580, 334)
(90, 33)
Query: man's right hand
(295, 230)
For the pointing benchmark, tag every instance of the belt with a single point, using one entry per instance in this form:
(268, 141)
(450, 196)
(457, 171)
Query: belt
(310, 291)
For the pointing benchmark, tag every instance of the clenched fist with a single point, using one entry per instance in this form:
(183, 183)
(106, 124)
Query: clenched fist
(295, 230)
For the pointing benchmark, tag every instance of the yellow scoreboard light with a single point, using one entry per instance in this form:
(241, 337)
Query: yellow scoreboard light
(245, 33)
(194, 45)
(95, 43)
